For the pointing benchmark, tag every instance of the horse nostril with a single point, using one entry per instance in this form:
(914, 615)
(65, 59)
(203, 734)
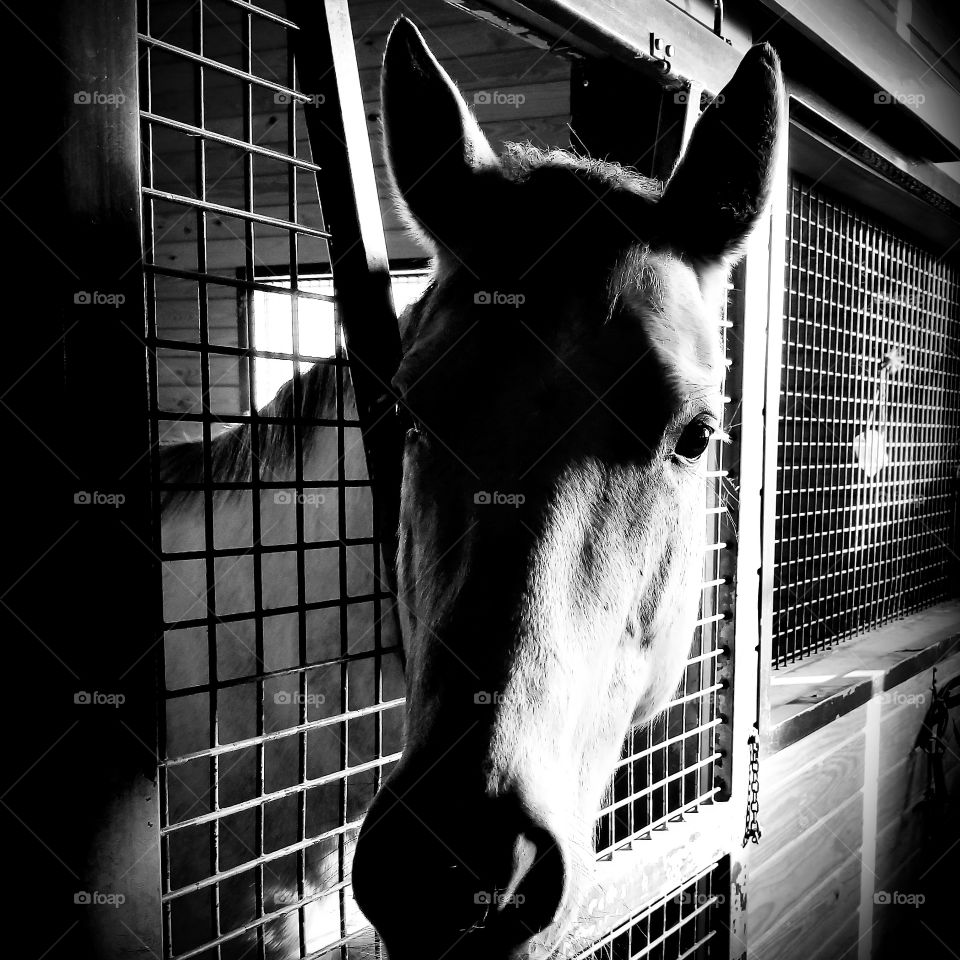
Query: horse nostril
(535, 890)
(500, 882)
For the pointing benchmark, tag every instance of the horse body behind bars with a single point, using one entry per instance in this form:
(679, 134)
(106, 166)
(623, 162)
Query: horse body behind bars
(291, 695)
(560, 378)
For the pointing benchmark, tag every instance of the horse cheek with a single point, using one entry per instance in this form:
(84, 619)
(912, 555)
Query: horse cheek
(672, 600)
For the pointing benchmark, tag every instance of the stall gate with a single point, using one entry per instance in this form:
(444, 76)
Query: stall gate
(282, 683)
(282, 680)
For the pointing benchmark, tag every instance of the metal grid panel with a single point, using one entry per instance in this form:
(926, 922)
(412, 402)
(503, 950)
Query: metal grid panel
(869, 435)
(682, 925)
(282, 680)
(667, 768)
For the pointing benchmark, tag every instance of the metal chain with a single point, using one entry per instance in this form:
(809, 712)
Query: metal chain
(752, 829)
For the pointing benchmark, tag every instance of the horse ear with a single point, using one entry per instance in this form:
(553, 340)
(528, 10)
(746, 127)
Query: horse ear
(720, 187)
(432, 142)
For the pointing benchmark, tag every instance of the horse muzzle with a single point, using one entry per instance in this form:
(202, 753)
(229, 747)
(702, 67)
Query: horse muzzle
(441, 876)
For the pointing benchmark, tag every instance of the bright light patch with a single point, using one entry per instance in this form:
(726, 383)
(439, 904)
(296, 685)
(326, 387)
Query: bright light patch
(274, 317)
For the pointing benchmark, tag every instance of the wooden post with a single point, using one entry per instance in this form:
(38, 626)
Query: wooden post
(361, 272)
(775, 285)
(88, 600)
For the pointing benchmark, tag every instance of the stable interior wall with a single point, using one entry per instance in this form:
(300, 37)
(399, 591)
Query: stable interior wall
(847, 830)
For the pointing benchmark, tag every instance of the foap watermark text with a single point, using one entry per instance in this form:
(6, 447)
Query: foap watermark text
(309, 498)
(497, 298)
(484, 498)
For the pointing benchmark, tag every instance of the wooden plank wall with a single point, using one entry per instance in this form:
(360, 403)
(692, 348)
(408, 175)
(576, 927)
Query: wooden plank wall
(804, 884)
(805, 875)
(528, 98)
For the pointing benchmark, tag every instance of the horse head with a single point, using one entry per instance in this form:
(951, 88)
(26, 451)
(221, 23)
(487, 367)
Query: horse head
(561, 380)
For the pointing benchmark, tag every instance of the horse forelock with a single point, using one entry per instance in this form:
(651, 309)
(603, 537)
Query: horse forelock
(519, 160)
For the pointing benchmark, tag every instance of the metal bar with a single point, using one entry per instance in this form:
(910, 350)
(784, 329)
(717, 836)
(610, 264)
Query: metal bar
(300, 728)
(217, 942)
(654, 825)
(265, 858)
(248, 147)
(238, 214)
(293, 790)
(210, 577)
(271, 674)
(188, 347)
(624, 927)
(252, 8)
(678, 738)
(669, 778)
(276, 611)
(266, 484)
(262, 549)
(202, 61)
(251, 284)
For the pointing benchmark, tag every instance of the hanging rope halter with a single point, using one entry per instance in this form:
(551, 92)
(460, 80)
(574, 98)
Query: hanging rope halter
(870, 446)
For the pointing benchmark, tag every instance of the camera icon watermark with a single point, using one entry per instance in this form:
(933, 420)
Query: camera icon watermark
(899, 899)
(96, 898)
(486, 698)
(688, 897)
(306, 100)
(498, 898)
(683, 97)
(96, 698)
(309, 498)
(484, 498)
(98, 298)
(489, 98)
(495, 298)
(288, 697)
(98, 498)
(898, 698)
(97, 98)
(886, 97)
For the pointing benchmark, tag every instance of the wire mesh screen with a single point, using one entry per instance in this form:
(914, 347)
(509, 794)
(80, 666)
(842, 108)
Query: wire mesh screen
(666, 767)
(683, 925)
(869, 436)
(282, 685)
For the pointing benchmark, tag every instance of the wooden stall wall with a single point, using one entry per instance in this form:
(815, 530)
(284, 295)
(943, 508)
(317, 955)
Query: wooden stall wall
(849, 843)
(519, 92)
(804, 878)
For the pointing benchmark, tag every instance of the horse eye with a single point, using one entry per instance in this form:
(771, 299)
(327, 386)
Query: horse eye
(694, 440)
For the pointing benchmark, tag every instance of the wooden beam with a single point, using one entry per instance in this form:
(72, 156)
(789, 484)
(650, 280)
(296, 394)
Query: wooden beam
(871, 44)
(112, 591)
(347, 187)
(771, 287)
(657, 37)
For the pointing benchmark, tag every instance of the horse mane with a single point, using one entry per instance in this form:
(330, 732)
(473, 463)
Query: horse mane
(519, 160)
(232, 454)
